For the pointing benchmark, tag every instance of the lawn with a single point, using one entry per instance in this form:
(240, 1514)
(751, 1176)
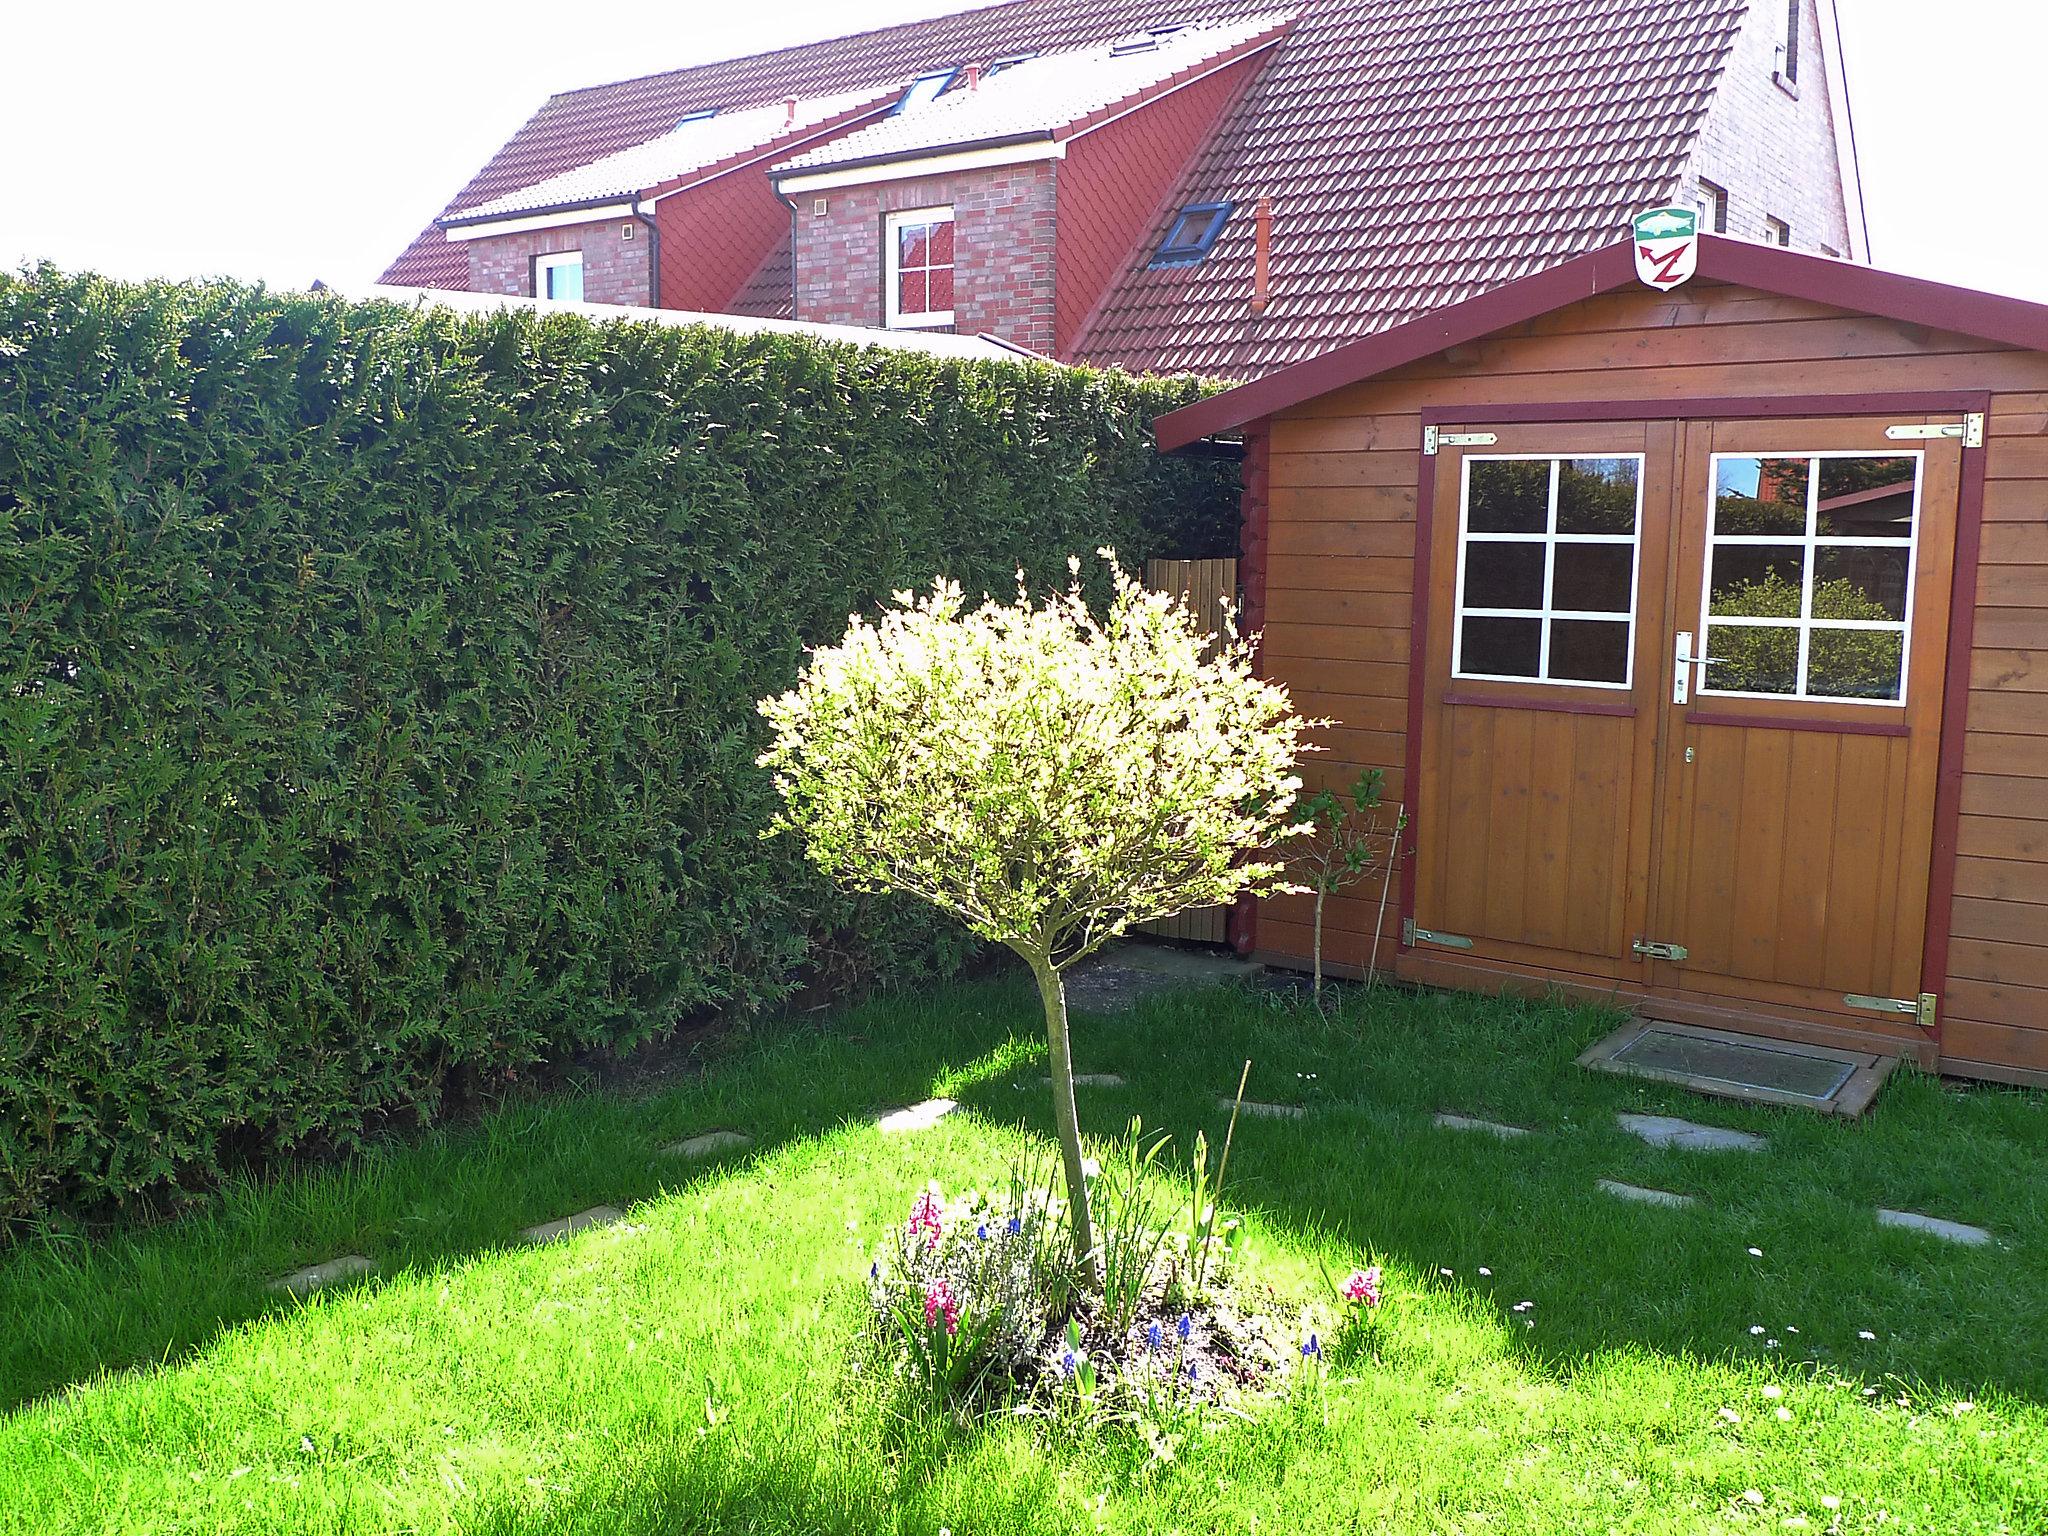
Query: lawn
(688, 1369)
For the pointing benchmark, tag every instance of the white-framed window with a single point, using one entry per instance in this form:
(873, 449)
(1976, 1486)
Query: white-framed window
(1787, 17)
(1777, 232)
(559, 276)
(1547, 569)
(1712, 203)
(1808, 591)
(917, 279)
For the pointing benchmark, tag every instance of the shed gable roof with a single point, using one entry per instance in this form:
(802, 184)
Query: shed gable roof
(1768, 268)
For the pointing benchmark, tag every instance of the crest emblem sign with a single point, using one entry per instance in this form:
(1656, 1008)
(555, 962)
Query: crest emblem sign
(1667, 245)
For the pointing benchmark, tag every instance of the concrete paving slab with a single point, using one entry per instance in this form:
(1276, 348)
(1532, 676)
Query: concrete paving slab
(553, 1231)
(915, 1117)
(1452, 1122)
(1092, 1080)
(317, 1277)
(1687, 1135)
(708, 1144)
(1644, 1196)
(1935, 1226)
(1267, 1111)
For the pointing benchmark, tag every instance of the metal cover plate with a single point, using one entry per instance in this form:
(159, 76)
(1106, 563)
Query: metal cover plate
(1743, 1066)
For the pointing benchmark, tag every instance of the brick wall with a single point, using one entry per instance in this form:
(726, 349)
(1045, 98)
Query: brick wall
(1772, 151)
(614, 268)
(1003, 244)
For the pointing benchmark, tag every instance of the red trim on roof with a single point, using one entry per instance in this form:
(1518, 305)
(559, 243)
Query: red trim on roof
(1769, 268)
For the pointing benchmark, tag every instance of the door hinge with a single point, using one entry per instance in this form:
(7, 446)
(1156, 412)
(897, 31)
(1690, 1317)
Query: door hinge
(1921, 1008)
(1659, 951)
(1412, 935)
(1432, 439)
(1970, 429)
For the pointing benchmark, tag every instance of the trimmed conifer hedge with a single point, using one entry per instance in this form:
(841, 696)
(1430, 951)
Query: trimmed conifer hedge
(377, 686)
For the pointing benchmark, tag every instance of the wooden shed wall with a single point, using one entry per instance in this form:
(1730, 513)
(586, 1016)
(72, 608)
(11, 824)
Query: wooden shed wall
(1337, 558)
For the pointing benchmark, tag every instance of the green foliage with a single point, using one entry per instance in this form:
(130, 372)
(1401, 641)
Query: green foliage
(1845, 663)
(376, 686)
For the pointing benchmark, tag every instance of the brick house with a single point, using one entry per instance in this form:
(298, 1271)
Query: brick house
(1223, 186)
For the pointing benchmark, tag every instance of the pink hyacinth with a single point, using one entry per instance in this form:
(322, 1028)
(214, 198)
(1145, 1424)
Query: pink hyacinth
(939, 1299)
(1363, 1285)
(924, 1217)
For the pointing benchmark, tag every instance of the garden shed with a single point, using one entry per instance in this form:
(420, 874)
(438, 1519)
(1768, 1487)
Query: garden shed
(1702, 633)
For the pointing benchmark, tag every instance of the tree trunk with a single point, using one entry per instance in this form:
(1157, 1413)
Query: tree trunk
(1052, 990)
(1317, 948)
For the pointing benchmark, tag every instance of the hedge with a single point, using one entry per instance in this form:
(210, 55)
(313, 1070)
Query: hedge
(377, 687)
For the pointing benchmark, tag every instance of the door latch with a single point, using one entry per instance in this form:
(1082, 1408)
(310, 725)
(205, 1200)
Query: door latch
(1659, 951)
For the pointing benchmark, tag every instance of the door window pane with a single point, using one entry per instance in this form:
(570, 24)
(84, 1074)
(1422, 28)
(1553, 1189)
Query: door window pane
(1503, 648)
(1546, 544)
(1865, 498)
(1760, 496)
(1593, 578)
(1866, 582)
(1753, 658)
(1597, 495)
(1855, 663)
(1757, 581)
(1836, 566)
(1504, 575)
(1508, 496)
(1588, 651)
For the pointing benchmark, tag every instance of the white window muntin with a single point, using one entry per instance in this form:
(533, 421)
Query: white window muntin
(545, 266)
(892, 248)
(1550, 538)
(1809, 545)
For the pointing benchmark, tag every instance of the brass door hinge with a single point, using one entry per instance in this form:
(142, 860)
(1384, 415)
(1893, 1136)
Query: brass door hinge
(1659, 951)
(1412, 935)
(1433, 439)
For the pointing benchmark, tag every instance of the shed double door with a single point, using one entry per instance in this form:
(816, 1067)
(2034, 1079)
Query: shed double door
(1681, 712)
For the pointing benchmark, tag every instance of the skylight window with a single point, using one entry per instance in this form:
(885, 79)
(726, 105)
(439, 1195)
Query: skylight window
(1192, 233)
(925, 89)
(696, 117)
(999, 65)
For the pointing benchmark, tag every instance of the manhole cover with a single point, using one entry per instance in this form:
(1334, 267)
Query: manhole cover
(1725, 1061)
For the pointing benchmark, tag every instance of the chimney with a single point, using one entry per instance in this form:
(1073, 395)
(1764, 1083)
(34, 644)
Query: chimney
(1262, 254)
(791, 118)
(974, 77)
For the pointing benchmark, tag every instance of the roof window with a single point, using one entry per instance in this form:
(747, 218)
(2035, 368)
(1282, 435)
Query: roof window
(926, 88)
(696, 117)
(997, 66)
(1144, 42)
(1193, 231)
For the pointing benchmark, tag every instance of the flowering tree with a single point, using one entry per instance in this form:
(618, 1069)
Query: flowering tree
(1047, 777)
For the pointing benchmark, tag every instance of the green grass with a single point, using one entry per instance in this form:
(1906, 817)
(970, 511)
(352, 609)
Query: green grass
(687, 1370)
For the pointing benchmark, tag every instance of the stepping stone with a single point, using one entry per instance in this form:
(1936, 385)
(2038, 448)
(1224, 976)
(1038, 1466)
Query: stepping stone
(1093, 1080)
(316, 1277)
(1644, 1196)
(1267, 1111)
(1492, 1127)
(552, 1231)
(1934, 1226)
(1669, 1131)
(709, 1144)
(917, 1117)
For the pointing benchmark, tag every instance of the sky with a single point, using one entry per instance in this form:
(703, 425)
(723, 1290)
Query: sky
(282, 141)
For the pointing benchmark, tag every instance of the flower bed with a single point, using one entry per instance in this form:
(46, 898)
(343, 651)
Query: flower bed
(978, 1304)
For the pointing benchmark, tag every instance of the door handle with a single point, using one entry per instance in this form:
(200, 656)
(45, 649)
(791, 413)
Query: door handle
(1681, 676)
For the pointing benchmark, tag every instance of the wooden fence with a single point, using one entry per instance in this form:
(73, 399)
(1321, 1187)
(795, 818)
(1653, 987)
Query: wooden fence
(1201, 585)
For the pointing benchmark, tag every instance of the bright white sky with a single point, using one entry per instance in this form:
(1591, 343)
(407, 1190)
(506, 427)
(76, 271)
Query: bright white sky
(288, 141)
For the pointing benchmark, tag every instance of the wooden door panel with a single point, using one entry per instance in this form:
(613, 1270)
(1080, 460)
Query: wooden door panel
(1796, 831)
(1533, 824)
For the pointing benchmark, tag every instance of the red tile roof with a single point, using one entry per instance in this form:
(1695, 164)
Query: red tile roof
(1043, 97)
(1417, 152)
